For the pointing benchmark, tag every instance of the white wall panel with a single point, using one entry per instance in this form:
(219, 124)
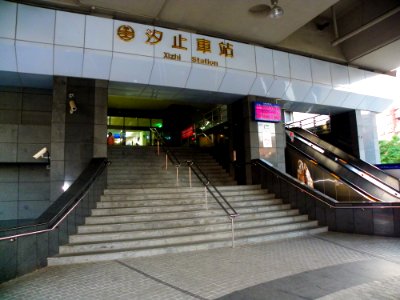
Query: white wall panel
(243, 57)
(70, 29)
(381, 104)
(99, 33)
(264, 60)
(138, 44)
(335, 98)
(278, 87)
(68, 61)
(163, 70)
(35, 24)
(171, 38)
(317, 93)
(375, 104)
(205, 78)
(353, 100)
(8, 60)
(261, 85)
(321, 72)
(8, 19)
(237, 82)
(300, 67)
(96, 64)
(297, 90)
(355, 75)
(366, 104)
(35, 58)
(281, 63)
(131, 68)
(340, 75)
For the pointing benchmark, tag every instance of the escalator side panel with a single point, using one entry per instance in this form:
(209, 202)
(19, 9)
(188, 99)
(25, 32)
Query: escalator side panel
(377, 173)
(363, 186)
(321, 179)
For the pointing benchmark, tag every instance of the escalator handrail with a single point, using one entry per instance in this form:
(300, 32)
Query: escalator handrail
(386, 188)
(64, 204)
(315, 194)
(349, 158)
(352, 186)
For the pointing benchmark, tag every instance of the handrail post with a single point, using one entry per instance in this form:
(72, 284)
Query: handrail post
(158, 147)
(166, 161)
(190, 177)
(233, 232)
(177, 175)
(205, 195)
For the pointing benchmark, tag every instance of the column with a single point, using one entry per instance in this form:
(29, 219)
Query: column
(58, 137)
(100, 119)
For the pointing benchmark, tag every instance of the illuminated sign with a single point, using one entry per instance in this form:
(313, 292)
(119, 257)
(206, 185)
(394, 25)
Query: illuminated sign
(187, 133)
(267, 112)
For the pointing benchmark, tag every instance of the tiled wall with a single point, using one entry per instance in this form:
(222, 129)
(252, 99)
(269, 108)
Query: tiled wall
(31, 120)
(25, 122)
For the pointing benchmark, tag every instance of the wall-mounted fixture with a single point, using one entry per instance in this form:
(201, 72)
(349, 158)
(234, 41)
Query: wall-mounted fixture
(43, 153)
(72, 104)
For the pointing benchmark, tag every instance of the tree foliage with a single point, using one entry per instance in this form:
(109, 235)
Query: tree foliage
(390, 150)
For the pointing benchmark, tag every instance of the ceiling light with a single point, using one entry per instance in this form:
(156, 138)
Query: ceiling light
(276, 10)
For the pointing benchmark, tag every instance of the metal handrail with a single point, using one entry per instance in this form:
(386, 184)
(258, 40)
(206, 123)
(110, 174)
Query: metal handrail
(60, 215)
(309, 121)
(200, 175)
(347, 205)
(171, 155)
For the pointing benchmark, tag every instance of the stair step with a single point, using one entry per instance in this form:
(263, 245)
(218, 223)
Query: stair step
(239, 201)
(223, 224)
(231, 196)
(178, 248)
(110, 227)
(194, 236)
(187, 209)
(180, 189)
(176, 216)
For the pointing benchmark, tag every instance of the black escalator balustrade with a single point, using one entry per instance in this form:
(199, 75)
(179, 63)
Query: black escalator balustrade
(389, 180)
(361, 176)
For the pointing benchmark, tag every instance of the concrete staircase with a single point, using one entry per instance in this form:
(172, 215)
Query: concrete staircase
(145, 211)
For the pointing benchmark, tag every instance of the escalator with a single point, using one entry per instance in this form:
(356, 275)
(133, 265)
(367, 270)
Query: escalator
(336, 173)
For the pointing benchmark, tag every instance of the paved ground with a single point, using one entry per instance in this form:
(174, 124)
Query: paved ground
(325, 266)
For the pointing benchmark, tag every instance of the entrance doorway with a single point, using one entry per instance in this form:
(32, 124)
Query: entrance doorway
(130, 131)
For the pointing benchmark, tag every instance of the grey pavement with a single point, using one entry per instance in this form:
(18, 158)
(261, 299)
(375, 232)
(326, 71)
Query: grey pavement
(325, 266)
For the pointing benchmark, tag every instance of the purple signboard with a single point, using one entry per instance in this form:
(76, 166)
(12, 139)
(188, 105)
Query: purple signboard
(267, 112)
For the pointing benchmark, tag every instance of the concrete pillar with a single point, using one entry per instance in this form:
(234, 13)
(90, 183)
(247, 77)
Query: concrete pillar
(273, 148)
(100, 118)
(260, 139)
(57, 149)
(368, 136)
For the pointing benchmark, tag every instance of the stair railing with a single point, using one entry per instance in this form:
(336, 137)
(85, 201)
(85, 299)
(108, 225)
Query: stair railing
(215, 193)
(208, 186)
(168, 153)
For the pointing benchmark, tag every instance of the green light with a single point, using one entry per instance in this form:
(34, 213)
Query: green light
(158, 125)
